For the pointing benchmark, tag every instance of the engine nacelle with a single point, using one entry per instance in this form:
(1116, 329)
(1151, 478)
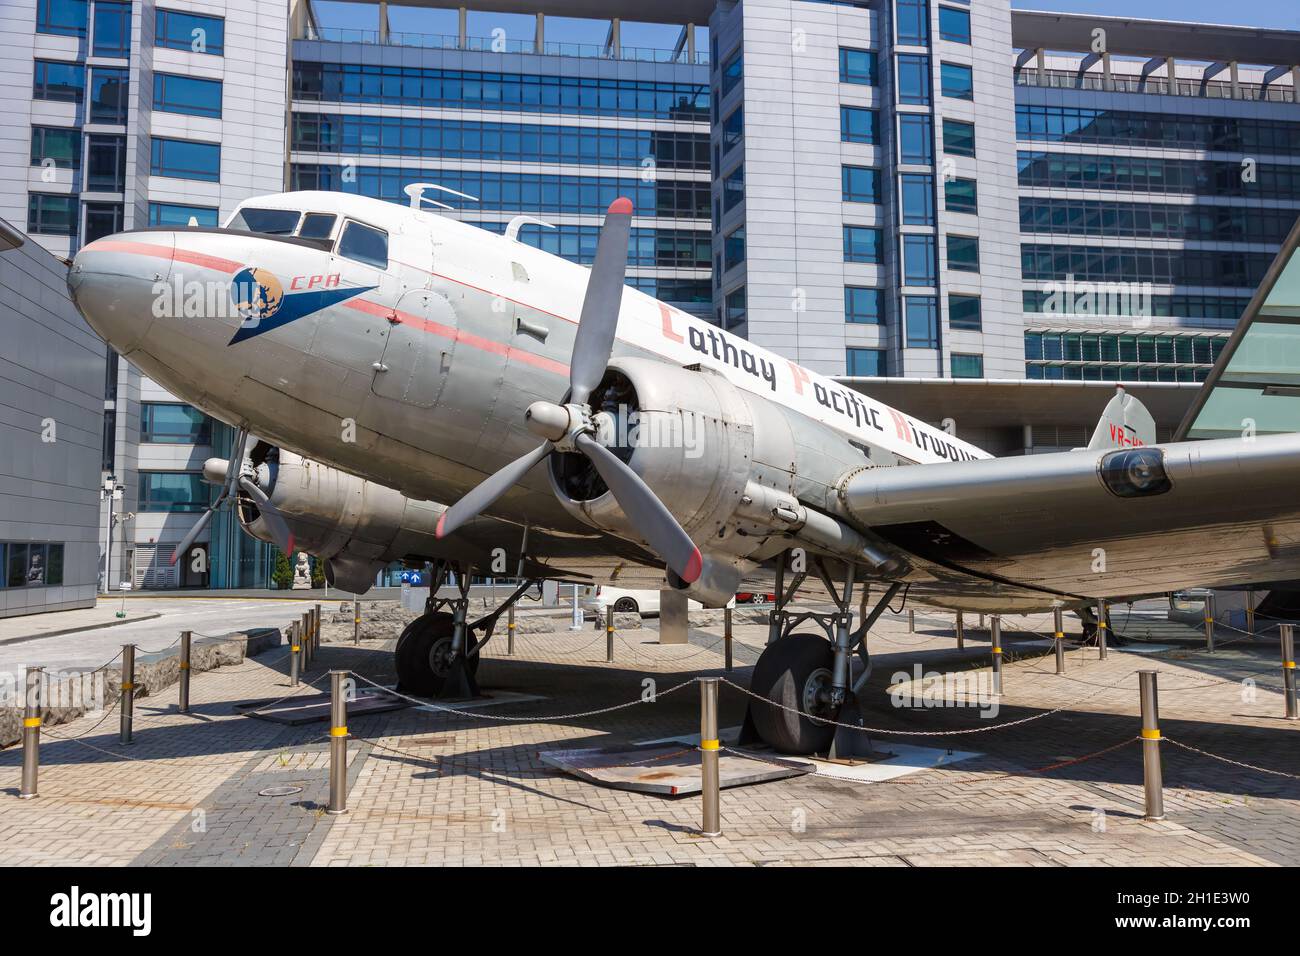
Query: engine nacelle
(698, 441)
(357, 526)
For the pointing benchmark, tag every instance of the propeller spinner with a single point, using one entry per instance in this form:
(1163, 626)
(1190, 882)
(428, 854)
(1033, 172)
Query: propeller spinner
(568, 427)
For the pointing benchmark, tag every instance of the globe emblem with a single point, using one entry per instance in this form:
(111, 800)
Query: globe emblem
(256, 293)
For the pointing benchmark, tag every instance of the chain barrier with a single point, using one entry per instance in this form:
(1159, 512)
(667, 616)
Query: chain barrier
(1235, 763)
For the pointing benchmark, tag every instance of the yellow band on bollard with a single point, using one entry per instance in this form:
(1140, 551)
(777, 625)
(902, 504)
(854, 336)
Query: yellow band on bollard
(710, 745)
(1151, 734)
(1289, 665)
(1209, 620)
(1060, 635)
(1103, 625)
(31, 721)
(997, 650)
(295, 648)
(511, 625)
(339, 731)
(127, 685)
(609, 630)
(183, 666)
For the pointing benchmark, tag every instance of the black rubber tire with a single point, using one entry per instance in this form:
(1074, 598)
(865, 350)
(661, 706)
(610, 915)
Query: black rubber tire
(626, 605)
(415, 675)
(780, 674)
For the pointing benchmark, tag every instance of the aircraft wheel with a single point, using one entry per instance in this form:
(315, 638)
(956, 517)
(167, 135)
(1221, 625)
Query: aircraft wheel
(791, 671)
(421, 654)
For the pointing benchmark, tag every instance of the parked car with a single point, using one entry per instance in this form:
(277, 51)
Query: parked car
(749, 597)
(625, 600)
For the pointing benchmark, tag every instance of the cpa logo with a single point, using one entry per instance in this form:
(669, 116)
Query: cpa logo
(256, 293)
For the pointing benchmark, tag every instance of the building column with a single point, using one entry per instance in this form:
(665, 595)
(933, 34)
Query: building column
(539, 42)
(1041, 55)
(383, 21)
(1171, 72)
(673, 608)
(1235, 79)
(690, 42)
(1295, 84)
(464, 18)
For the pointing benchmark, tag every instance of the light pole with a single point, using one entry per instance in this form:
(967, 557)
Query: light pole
(111, 492)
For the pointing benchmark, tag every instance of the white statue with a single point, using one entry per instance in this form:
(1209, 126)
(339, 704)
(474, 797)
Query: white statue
(302, 573)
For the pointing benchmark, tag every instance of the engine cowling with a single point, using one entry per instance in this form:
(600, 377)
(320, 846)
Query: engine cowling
(699, 442)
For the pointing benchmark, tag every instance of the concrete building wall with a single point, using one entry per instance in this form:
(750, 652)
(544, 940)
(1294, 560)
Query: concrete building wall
(51, 414)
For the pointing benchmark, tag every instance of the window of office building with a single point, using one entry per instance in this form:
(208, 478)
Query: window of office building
(62, 17)
(736, 309)
(171, 423)
(178, 214)
(956, 81)
(102, 219)
(858, 66)
(173, 491)
(915, 139)
(964, 312)
(960, 195)
(186, 94)
(112, 29)
(954, 25)
(105, 163)
(185, 159)
(56, 146)
(1152, 174)
(921, 321)
(964, 253)
(913, 79)
(733, 248)
(958, 138)
(917, 191)
(177, 30)
(919, 259)
(733, 129)
(861, 244)
(60, 81)
(913, 22)
(733, 71)
(858, 125)
(51, 215)
(1090, 217)
(108, 99)
(31, 564)
(1074, 124)
(862, 305)
(1195, 267)
(733, 188)
(864, 363)
(860, 184)
(967, 366)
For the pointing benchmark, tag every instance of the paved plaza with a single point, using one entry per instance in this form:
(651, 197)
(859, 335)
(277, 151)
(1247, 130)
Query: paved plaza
(1055, 779)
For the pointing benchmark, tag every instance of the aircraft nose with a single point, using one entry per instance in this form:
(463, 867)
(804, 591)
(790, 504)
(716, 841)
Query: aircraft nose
(115, 283)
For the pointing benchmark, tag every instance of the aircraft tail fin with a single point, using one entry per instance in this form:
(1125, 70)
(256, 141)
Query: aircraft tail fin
(1125, 423)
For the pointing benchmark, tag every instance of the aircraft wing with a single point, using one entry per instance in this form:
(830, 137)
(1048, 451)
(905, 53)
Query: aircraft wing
(1095, 523)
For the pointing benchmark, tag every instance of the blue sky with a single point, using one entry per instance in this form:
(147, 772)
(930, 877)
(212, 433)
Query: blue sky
(1253, 13)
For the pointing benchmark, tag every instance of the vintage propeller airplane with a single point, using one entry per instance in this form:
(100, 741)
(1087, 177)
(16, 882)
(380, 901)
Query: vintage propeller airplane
(390, 360)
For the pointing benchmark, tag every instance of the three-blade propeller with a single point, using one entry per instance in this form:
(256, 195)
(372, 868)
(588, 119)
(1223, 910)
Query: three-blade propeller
(569, 428)
(236, 475)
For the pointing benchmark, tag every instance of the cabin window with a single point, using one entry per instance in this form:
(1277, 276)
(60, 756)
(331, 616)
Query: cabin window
(317, 225)
(364, 244)
(270, 222)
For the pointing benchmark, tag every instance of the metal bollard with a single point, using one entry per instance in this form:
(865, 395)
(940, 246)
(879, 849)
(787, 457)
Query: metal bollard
(304, 626)
(1103, 625)
(128, 692)
(981, 622)
(911, 622)
(1152, 778)
(1209, 623)
(31, 734)
(295, 652)
(184, 705)
(961, 633)
(726, 639)
(995, 638)
(1250, 612)
(1288, 671)
(1058, 623)
(710, 782)
(356, 622)
(510, 632)
(338, 744)
(315, 616)
(609, 634)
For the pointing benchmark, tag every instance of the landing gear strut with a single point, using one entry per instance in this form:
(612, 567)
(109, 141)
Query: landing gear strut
(806, 682)
(437, 655)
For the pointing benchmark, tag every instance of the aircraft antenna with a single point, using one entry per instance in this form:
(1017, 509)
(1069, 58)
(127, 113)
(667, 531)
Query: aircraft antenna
(416, 192)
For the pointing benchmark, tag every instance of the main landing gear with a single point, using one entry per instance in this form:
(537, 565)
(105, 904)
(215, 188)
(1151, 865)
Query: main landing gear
(806, 680)
(437, 654)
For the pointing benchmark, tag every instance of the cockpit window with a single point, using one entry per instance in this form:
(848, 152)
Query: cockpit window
(270, 222)
(317, 225)
(365, 244)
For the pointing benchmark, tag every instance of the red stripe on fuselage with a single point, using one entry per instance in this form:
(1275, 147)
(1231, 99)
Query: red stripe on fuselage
(216, 263)
(456, 335)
